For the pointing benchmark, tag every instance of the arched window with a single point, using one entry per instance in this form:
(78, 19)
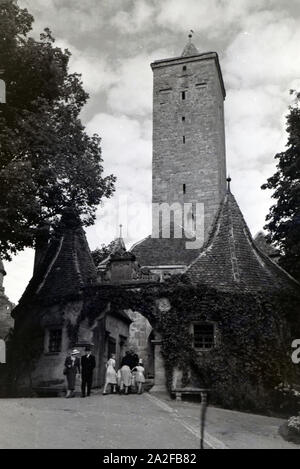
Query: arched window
(2, 351)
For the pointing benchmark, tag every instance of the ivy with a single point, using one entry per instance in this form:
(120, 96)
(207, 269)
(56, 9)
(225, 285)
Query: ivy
(254, 335)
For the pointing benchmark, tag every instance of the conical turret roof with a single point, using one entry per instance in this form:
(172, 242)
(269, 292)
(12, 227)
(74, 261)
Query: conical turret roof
(67, 267)
(230, 259)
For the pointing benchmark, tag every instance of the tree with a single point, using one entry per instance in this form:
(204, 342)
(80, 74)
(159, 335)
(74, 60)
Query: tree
(284, 217)
(99, 254)
(47, 160)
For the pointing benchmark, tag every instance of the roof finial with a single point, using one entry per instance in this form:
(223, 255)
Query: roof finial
(191, 35)
(120, 230)
(228, 183)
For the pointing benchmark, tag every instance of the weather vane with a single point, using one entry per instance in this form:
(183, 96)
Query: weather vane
(191, 34)
(120, 230)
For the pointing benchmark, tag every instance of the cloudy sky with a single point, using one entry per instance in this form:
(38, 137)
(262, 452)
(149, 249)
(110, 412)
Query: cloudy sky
(112, 44)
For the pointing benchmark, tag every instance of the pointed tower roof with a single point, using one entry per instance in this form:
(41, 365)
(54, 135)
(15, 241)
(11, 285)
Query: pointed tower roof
(230, 259)
(189, 49)
(118, 248)
(67, 267)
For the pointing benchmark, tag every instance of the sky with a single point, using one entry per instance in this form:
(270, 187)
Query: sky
(113, 43)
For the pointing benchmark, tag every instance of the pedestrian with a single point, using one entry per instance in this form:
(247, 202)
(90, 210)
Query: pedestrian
(88, 363)
(125, 378)
(111, 375)
(126, 372)
(134, 358)
(140, 376)
(72, 367)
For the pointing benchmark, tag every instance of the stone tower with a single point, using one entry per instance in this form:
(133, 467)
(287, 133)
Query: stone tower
(189, 163)
(188, 131)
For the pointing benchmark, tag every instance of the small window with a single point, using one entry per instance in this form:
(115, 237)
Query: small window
(183, 118)
(183, 139)
(183, 188)
(184, 68)
(203, 336)
(183, 94)
(55, 339)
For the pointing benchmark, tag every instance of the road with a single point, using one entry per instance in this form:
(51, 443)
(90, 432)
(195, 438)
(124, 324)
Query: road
(145, 421)
(97, 422)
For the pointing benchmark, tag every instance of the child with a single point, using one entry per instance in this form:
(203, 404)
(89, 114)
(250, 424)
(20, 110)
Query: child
(111, 375)
(140, 376)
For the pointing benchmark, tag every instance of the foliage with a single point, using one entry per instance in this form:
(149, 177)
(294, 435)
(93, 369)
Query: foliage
(252, 355)
(99, 254)
(284, 217)
(255, 332)
(294, 424)
(47, 160)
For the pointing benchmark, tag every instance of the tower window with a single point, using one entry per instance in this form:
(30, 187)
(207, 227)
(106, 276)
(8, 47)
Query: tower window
(184, 68)
(183, 188)
(183, 94)
(183, 118)
(183, 139)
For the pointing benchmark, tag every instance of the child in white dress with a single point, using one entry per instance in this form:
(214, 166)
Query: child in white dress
(111, 375)
(140, 376)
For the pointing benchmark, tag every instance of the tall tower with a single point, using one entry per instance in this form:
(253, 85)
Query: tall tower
(189, 162)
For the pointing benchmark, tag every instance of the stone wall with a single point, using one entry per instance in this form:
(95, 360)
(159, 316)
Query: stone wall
(140, 339)
(188, 134)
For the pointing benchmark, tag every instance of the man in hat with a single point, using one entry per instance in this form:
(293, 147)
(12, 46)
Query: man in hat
(72, 367)
(88, 363)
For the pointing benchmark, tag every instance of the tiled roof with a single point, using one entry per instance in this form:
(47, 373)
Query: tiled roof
(163, 251)
(67, 267)
(118, 247)
(230, 259)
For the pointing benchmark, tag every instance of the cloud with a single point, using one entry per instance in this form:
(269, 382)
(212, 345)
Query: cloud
(131, 22)
(126, 148)
(132, 93)
(97, 74)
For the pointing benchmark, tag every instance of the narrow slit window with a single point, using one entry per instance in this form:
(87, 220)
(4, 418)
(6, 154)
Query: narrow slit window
(184, 68)
(183, 118)
(183, 188)
(183, 139)
(183, 95)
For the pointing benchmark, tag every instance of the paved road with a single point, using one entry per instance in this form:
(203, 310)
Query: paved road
(234, 430)
(108, 422)
(130, 422)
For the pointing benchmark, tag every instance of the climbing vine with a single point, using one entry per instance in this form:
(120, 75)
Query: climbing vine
(252, 354)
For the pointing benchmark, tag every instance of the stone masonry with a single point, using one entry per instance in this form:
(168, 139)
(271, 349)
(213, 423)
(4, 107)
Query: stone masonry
(188, 132)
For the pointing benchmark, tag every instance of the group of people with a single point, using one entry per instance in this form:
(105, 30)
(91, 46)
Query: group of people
(131, 373)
